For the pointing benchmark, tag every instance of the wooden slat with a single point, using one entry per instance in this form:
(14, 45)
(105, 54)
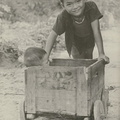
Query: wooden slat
(56, 101)
(88, 78)
(30, 80)
(72, 62)
(56, 89)
(95, 74)
(97, 81)
(56, 78)
(81, 93)
(96, 66)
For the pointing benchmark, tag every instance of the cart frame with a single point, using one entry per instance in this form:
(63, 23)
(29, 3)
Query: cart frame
(83, 99)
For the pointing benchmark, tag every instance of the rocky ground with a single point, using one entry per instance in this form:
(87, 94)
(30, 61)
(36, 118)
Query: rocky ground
(12, 82)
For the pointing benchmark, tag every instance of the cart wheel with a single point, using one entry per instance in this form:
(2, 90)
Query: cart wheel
(99, 113)
(22, 111)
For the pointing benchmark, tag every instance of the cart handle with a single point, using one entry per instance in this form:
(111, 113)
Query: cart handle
(102, 60)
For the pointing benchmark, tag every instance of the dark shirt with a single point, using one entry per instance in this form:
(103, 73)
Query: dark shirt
(83, 34)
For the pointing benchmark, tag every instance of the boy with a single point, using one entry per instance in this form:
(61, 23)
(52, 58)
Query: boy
(34, 56)
(80, 22)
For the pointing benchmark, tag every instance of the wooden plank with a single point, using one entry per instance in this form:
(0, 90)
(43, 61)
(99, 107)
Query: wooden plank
(81, 93)
(72, 62)
(56, 101)
(96, 66)
(30, 83)
(88, 79)
(95, 74)
(97, 81)
(56, 78)
(56, 89)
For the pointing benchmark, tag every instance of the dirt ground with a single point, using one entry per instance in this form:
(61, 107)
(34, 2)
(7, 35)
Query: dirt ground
(12, 82)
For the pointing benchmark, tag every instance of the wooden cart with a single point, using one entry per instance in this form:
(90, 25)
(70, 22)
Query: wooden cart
(67, 89)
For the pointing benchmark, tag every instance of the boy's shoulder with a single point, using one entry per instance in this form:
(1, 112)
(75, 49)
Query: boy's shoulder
(63, 15)
(90, 5)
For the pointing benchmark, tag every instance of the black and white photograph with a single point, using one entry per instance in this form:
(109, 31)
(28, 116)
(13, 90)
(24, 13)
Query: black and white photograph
(59, 60)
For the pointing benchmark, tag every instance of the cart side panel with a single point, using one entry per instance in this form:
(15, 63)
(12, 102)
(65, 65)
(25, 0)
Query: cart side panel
(56, 89)
(81, 93)
(56, 101)
(95, 83)
(30, 82)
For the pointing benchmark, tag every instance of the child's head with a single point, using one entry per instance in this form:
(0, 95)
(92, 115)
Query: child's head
(74, 7)
(34, 56)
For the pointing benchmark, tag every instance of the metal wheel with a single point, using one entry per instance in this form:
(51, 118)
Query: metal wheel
(99, 113)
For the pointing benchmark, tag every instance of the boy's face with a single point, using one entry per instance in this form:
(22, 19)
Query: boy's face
(74, 7)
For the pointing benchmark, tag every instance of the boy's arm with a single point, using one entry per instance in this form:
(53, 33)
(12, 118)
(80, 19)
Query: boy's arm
(49, 44)
(99, 40)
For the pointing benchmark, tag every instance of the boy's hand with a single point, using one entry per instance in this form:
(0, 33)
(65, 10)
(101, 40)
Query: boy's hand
(104, 57)
(45, 60)
(46, 63)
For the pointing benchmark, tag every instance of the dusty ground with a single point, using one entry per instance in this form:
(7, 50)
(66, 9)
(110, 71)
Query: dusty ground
(12, 81)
